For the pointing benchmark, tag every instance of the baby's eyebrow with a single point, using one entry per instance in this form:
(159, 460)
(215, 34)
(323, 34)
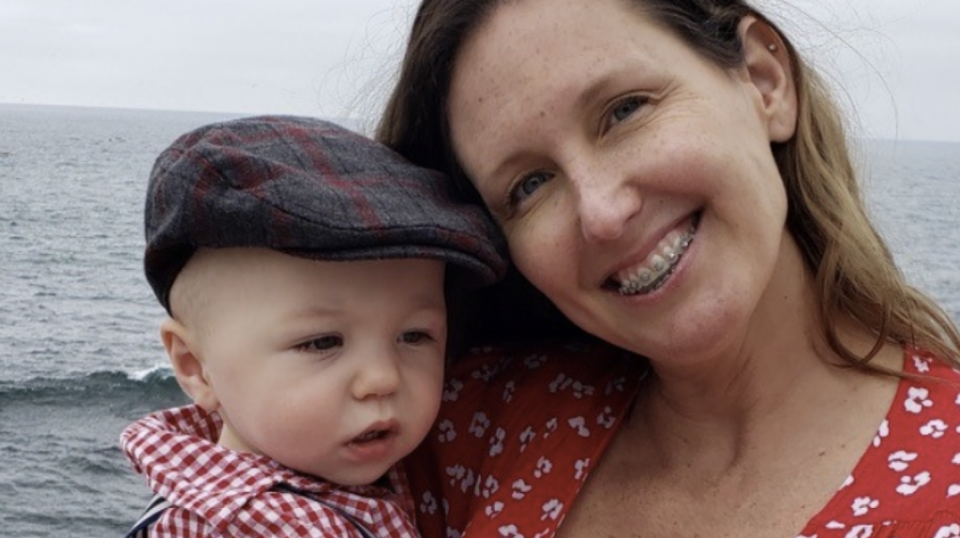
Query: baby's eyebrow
(314, 311)
(427, 302)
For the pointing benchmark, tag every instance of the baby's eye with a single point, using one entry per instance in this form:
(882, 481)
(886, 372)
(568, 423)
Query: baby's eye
(528, 185)
(415, 337)
(321, 344)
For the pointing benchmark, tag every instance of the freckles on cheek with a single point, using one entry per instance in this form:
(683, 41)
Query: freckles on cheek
(689, 165)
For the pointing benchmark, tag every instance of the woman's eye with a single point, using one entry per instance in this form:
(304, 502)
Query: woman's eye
(415, 337)
(321, 344)
(623, 110)
(527, 185)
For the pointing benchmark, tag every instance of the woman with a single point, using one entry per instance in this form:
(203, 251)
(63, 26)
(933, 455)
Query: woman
(674, 178)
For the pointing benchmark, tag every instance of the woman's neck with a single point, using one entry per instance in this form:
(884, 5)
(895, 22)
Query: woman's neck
(742, 403)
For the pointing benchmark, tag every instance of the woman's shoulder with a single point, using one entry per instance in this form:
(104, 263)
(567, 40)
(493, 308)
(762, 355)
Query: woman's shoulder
(928, 398)
(919, 440)
(908, 482)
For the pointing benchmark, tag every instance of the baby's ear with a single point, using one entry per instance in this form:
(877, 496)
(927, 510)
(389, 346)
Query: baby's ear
(188, 364)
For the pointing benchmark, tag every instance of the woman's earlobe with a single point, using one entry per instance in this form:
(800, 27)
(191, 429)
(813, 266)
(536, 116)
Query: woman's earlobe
(187, 364)
(769, 67)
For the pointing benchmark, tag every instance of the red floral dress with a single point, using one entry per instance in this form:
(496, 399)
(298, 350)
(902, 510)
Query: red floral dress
(519, 433)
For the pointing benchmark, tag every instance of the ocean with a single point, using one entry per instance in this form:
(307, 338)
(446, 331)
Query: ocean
(79, 348)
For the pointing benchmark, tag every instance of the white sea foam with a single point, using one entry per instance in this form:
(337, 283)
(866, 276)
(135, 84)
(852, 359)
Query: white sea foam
(154, 372)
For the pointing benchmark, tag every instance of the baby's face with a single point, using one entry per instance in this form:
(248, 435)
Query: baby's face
(334, 369)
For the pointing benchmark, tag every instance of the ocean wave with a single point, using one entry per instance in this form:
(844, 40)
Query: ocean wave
(155, 373)
(154, 382)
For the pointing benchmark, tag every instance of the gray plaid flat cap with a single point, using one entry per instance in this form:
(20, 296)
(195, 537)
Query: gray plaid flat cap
(309, 188)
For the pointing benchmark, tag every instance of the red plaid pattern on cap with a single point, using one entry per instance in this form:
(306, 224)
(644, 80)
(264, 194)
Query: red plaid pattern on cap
(309, 188)
(217, 492)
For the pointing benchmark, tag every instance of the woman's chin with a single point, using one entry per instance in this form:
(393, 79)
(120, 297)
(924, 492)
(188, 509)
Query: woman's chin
(692, 336)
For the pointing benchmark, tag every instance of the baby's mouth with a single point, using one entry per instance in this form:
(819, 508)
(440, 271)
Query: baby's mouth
(373, 435)
(377, 432)
(654, 271)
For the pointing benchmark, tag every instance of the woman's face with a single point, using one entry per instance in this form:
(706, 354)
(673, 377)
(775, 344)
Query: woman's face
(633, 178)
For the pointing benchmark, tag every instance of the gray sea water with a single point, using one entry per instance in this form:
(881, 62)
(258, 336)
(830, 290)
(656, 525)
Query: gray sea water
(79, 352)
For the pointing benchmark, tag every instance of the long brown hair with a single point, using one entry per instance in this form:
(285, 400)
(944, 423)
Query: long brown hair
(856, 276)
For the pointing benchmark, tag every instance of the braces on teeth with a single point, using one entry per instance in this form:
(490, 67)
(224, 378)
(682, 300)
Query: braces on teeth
(660, 268)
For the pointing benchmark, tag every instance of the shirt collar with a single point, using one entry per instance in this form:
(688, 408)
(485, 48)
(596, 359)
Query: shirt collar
(177, 450)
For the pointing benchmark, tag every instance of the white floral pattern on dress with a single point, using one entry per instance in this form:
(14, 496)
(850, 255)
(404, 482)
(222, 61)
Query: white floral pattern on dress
(882, 433)
(520, 489)
(496, 442)
(863, 505)
(860, 531)
(606, 418)
(480, 424)
(900, 460)
(579, 424)
(493, 510)
(552, 509)
(935, 428)
(948, 531)
(428, 504)
(910, 484)
(916, 400)
(446, 431)
(581, 469)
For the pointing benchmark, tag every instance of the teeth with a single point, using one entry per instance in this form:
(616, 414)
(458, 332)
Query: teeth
(669, 253)
(659, 264)
(653, 272)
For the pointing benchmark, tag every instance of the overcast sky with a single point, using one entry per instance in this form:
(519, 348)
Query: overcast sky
(898, 60)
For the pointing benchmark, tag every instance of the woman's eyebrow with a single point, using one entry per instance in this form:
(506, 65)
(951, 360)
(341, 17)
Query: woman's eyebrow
(585, 97)
(591, 93)
(511, 161)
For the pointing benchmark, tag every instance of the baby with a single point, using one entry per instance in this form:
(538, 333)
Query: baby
(305, 270)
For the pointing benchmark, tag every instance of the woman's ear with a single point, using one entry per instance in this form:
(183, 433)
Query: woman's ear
(187, 365)
(769, 68)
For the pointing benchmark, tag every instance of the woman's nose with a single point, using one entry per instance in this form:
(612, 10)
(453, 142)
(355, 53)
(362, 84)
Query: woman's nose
(605, 202)
(378, 376)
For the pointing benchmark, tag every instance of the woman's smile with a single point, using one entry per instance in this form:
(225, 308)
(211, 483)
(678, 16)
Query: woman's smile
(657, 267)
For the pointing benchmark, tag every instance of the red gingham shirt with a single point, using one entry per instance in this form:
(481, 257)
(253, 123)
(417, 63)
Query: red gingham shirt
(217, 492)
